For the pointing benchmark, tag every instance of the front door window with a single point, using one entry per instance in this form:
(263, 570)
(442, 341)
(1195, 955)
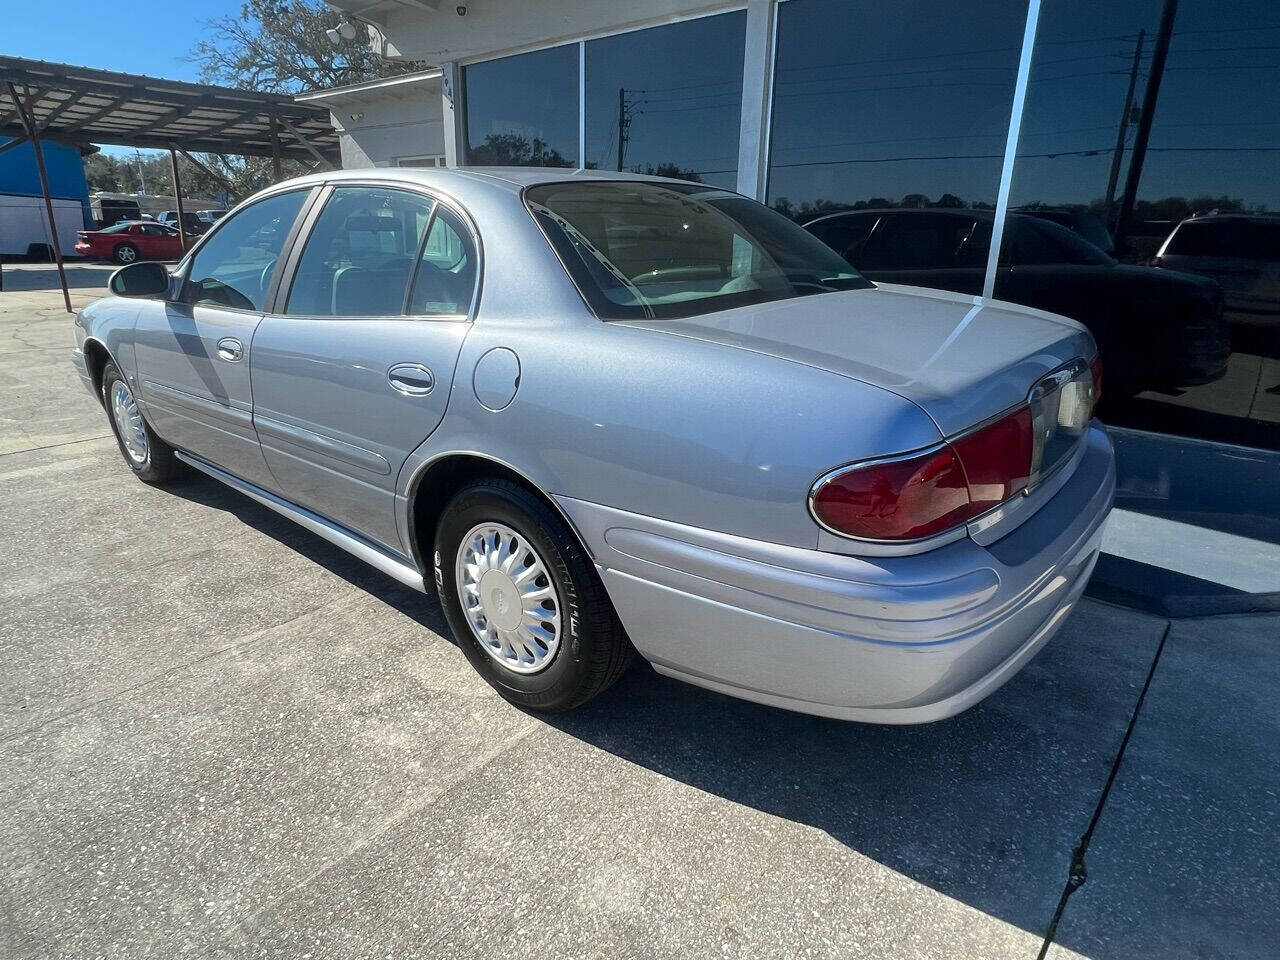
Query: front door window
(236, 265)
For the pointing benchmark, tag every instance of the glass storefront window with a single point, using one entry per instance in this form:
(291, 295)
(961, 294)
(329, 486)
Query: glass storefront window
(523, 110)
(667, 100)
(893, 106)
(1188, 319)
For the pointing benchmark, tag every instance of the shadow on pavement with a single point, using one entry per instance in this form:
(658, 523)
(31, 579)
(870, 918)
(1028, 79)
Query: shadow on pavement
(984, 808)
(21, 278)
(209, 492)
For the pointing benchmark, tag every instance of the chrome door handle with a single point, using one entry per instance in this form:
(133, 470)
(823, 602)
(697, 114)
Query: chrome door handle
(230, 349)
(411, 379)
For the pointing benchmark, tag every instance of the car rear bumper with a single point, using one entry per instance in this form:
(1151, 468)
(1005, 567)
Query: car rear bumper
(879, 639)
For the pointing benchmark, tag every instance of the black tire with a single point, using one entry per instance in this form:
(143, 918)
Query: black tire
(125, 253)
(160, 464)
(594, 650)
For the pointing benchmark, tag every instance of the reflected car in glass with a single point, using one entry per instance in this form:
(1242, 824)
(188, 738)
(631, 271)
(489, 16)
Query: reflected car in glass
(1241, 252)
(1078, 220)
(1155, 330)
(600, 414)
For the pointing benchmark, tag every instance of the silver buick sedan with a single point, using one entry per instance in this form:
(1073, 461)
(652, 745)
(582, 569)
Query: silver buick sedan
(604, 414)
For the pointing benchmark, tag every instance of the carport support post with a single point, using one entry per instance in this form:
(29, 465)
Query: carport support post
(275, 149)
(177, 196)
(29, 123)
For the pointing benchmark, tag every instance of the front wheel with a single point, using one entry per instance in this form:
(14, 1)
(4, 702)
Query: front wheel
(149, 457)
(523, 601)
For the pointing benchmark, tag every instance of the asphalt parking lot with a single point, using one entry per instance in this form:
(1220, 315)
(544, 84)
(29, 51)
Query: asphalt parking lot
(221, 736)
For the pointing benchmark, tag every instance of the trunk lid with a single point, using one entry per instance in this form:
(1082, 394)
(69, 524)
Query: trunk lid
(962, 363)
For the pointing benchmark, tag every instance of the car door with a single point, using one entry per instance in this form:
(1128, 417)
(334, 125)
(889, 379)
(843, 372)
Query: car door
(154, 242)
(353, 370)
(193, 350)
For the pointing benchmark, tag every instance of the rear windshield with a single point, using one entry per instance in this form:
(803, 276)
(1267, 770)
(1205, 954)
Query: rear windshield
(640, 249)
(1239, 239)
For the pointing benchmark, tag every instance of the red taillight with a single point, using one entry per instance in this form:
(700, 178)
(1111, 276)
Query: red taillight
(1095, 371)
(997, 459)
(896, 499)
(917, 496)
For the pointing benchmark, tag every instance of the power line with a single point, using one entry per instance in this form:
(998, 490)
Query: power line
(686, 86)
(1022, 156)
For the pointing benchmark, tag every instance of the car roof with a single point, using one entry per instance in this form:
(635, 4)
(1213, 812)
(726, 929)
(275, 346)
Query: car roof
(457, 179)
(1215, 215)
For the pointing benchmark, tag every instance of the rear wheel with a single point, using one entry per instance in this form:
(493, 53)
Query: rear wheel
(125, 253)
(149, 457)
(523, 601)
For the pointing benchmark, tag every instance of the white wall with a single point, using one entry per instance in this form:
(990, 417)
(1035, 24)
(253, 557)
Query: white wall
(376, 127)
(497, 26)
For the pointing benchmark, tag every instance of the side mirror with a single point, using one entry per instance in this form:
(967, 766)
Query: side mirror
(143, 279)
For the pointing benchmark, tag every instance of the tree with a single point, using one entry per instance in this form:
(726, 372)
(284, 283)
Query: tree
(667, 169)
(102, 172)
(276, 46)
(513, 150)
(280, 46)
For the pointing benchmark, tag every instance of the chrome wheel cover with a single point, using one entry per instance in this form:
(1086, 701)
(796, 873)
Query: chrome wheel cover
(133, 432)
(127, 254)
(508, 597)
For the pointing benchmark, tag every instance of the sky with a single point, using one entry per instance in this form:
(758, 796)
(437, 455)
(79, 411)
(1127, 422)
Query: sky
(133, 36)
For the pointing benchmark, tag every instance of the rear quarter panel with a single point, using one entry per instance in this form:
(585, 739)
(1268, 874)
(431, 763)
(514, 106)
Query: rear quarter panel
(669, 427)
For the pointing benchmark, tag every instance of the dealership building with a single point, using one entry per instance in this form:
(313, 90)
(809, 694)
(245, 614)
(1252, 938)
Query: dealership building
(963, 139)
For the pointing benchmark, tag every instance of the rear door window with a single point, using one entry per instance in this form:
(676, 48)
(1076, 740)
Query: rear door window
(1237, 239)
(360, 255)
(447, 270)
(845, 235)
(918, 242)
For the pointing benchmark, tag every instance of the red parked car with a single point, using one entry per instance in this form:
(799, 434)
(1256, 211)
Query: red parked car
(131, 240)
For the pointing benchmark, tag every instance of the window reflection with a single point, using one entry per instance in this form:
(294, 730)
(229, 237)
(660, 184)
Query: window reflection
(901, 105)
(523, 110)
(1142, 194)
(1189, 321)
(679, 120)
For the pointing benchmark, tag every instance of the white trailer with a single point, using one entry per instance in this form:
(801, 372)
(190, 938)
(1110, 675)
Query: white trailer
(24, 225)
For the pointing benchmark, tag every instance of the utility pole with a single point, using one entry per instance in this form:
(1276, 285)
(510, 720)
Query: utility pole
(1126, 116)
(142, 176)
(1158, 57)
(624, 121)
(177, 197)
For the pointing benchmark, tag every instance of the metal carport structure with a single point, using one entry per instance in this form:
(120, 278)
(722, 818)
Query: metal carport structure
(40, 100)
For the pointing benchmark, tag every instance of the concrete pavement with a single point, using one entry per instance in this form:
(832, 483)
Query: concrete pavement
(221, 736)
